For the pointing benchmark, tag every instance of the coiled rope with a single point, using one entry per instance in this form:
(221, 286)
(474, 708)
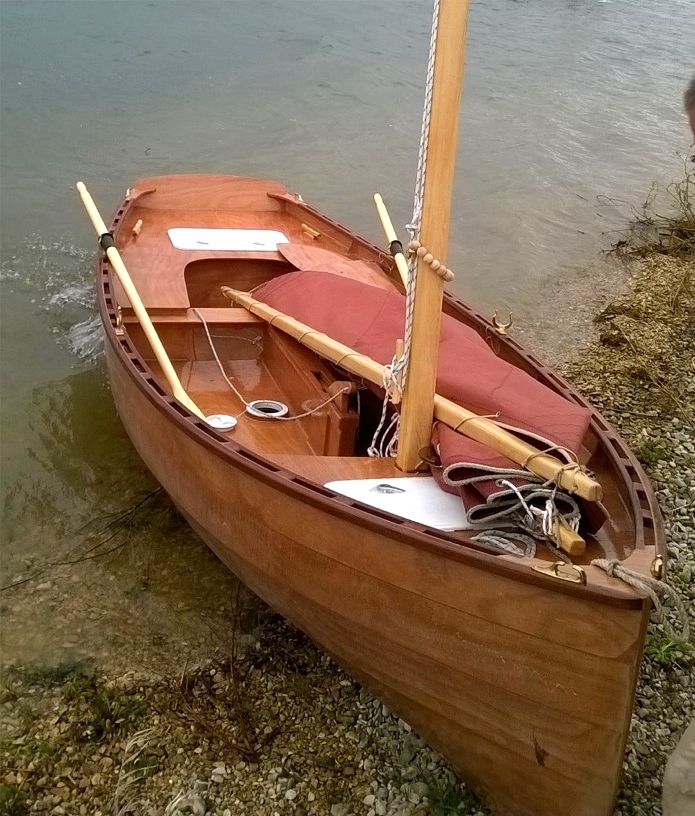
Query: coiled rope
(658, 591)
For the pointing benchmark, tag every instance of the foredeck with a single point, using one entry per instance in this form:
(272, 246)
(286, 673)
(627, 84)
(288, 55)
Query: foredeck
(171, 279)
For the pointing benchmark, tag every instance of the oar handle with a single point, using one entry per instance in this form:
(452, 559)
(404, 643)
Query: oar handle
(395, 246)
(91, 207)
(131, 292)
(385, 218)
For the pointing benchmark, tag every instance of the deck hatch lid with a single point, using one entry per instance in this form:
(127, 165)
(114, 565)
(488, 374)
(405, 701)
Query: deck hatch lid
(227, 240)
(415, 498)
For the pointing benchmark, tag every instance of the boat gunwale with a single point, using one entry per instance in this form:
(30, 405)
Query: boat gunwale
(407, 532)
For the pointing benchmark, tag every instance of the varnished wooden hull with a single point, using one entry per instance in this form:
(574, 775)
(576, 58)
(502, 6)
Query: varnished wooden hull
(525, 683)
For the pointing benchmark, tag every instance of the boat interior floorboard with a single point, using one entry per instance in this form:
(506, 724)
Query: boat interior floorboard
(323, 469)
(206, 386)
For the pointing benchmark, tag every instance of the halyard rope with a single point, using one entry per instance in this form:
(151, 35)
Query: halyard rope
(414, 226)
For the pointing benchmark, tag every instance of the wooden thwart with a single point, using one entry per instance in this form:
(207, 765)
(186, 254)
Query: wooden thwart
(466, 422)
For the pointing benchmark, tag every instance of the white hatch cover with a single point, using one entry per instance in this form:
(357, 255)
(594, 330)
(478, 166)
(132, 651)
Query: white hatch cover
(234, 240)
(416, 498)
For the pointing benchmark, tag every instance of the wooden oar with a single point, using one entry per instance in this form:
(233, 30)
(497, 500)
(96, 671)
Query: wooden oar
(479, 428)
(108, 245)
(395, 246)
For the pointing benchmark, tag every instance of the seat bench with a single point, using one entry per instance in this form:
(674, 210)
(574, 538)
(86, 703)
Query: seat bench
(230, 315)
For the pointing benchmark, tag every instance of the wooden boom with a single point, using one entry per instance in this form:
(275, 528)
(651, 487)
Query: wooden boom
(479, 428)
(126, 282)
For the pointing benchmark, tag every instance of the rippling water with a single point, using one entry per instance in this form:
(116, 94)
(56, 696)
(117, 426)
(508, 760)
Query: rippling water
(571, 110)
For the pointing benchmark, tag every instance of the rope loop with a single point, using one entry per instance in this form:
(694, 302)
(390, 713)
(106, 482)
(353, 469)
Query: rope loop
(572, 467)
(238, 394)
(491, 417)
(658, 591)
(504, 542)
(392, 379)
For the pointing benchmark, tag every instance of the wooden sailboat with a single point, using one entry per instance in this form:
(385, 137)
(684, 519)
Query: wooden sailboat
(519, 666)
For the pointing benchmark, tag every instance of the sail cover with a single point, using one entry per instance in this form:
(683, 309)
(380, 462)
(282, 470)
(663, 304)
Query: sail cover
(370, 320)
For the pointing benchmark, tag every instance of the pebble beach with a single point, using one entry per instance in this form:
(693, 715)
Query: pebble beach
(226, 710)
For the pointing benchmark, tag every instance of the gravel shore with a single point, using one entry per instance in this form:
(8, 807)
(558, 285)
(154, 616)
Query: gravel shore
(226, 710)
(640, 373)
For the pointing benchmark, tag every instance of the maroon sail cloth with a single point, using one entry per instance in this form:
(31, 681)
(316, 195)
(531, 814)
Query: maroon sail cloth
(490, 485)
(370, 320)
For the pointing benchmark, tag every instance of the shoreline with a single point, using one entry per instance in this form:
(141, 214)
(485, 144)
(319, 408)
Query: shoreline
(263, 722)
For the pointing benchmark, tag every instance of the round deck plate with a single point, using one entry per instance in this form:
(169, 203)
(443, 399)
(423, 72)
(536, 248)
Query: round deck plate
(221, 422)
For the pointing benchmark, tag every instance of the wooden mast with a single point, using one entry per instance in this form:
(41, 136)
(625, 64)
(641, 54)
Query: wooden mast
(418, 398)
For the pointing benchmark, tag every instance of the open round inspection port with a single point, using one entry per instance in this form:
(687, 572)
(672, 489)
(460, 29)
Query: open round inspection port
(266, 409)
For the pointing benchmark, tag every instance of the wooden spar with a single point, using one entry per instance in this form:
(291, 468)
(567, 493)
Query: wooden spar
(479, 428)
(126, 282)
(418, 397)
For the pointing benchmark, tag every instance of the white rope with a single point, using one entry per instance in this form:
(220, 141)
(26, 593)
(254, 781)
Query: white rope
(543, 521)
(391, 380)
(239, 395)
(217, 359)
(386, 445)
(658, 591)
(313, 410)
(414, 226)
(536, 522)
(374, 449)
(531, 512)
